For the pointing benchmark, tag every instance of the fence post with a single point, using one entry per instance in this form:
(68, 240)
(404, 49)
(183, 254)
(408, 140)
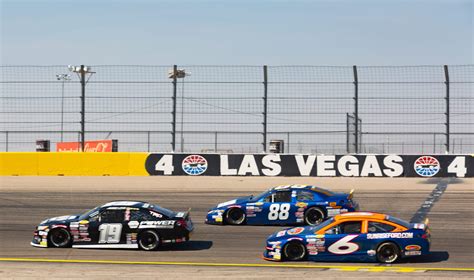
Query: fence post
(265, 106)
(356, 108)
(173, 124)
(215, 141)
(288, 142)
(83, 107)
(347, 133)
(148, 141)
(446, 75)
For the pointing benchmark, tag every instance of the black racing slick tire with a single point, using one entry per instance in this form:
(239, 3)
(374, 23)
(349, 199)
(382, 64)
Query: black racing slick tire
(234, 216)
(148, 240)
(294, 251)
(388, 252)
(59, 238)
(314, 216)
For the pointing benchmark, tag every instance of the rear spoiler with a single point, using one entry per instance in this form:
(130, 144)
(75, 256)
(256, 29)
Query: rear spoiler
(351, 194)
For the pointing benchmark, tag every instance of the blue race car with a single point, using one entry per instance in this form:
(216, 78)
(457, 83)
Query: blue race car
(291, 204)
(358, 236)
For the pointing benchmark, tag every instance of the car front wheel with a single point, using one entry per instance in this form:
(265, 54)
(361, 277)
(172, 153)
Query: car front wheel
(59, 238)
(235, 216)
(294, 251)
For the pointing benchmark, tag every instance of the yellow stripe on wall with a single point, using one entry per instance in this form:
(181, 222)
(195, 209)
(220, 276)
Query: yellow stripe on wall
(72, 164)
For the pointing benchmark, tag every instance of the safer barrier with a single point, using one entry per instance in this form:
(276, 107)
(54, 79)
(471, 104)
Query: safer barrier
(73, 164)
(142, 164)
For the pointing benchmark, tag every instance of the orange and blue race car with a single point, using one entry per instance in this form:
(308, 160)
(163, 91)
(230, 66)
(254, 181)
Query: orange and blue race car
(356, 236)
(283, 205)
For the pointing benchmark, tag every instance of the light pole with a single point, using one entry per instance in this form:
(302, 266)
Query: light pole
(81, 72)
(63, 78)
(180, 74)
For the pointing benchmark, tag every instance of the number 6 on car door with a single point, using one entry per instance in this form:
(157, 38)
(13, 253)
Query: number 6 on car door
(344, 246)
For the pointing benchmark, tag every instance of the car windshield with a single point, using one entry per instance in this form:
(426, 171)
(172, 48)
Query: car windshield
(321, 225)
(399, 221)
(86, 214)
(163, 211)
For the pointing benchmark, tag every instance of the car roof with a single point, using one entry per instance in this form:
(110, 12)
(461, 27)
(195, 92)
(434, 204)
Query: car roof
(303, 187)
(360, 216)
(124, 203)
(287, 187)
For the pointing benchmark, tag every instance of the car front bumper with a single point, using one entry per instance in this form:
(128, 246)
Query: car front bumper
(215, 217)
(272, 251)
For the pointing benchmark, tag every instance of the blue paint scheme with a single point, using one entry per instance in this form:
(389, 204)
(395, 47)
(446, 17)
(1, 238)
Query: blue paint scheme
(317, 246)
(257, 208)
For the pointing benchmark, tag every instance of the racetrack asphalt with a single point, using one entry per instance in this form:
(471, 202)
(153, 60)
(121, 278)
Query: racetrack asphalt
(230, 251)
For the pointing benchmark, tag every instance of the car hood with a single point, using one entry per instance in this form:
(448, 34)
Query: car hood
(60, 220)
(239, 200)
(292, 232)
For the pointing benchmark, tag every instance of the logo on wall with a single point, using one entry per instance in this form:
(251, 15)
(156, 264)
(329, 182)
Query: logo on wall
(426, 166)
(194, 165)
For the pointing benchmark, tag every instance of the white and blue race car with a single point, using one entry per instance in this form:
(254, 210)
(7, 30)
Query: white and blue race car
(283, 205)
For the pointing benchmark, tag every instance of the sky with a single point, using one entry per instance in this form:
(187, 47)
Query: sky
(53, 32)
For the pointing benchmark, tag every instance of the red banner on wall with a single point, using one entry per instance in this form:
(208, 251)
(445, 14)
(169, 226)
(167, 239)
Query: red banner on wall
(89, 146)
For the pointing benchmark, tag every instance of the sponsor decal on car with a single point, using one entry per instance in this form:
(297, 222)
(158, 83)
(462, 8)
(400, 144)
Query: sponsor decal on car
(280, 233)
(157, 224)
(333, 212)
(133, 224)
(390, 235)
(58, 226)
(295, 231)
(301, 204)
(412, 253)
(419, 226)
(413, 248)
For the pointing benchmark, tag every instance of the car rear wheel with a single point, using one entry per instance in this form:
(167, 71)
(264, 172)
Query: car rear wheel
(388, 252)
(59, 238)
(294, 251)
(313, 216)
(235, 216)
(148, 240)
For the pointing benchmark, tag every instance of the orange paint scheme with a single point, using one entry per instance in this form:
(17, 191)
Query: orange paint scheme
(365, 218)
